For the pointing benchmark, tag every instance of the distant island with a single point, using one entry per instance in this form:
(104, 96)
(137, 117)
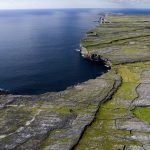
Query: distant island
(109, 112)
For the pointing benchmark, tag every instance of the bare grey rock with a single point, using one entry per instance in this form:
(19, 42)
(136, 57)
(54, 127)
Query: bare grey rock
(53, 120)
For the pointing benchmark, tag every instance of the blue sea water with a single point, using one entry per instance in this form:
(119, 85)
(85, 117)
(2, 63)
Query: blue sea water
(39, 49)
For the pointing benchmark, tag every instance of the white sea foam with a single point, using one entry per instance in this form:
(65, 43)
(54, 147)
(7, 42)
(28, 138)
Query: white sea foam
(78, 50)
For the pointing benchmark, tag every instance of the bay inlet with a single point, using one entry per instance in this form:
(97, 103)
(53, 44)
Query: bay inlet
(39, 50)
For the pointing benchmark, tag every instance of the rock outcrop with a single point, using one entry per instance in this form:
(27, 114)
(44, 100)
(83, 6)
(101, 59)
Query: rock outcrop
(3, 92)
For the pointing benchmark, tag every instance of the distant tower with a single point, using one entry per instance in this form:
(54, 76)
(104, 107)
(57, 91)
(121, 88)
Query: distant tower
(102, 19)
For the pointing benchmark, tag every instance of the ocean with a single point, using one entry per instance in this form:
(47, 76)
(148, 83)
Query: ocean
(39, 49)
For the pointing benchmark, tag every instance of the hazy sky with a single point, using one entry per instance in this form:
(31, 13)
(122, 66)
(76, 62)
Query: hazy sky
(19, 4)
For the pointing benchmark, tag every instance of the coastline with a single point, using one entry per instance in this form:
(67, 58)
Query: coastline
(122, 122)
(71, 119)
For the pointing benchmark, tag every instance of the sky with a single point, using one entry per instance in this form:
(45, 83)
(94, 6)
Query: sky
(34, 4)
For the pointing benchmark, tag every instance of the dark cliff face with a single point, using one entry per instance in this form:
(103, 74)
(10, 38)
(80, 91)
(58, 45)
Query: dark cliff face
(95, 58)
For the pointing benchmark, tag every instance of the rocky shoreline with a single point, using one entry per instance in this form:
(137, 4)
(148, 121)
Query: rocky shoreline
(53, 120)
(4, 92)
(122, 122)
(103, 113)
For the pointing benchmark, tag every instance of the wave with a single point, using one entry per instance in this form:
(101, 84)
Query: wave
(77, 50)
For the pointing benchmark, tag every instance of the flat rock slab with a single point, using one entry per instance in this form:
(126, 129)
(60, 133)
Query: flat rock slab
(143, 90)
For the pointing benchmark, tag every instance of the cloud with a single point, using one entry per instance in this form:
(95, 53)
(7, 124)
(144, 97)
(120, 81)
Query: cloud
(131, 3)
(19, 4)
(126, 1)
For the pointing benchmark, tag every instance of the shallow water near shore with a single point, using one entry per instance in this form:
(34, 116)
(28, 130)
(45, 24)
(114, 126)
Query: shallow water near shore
(39, 49)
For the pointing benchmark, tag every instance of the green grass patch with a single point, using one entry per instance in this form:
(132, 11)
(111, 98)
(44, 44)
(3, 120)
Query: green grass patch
(142, 113)
(129, 74)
